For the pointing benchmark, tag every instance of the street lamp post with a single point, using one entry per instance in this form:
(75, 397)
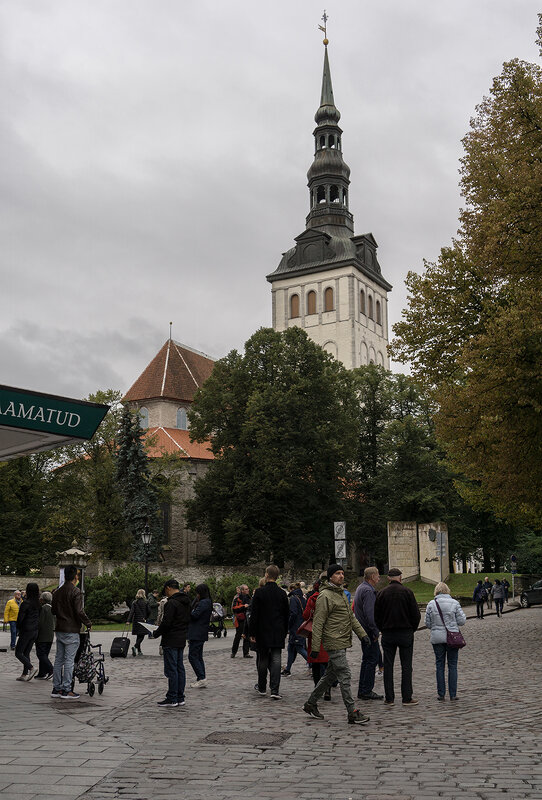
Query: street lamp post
(146, 538)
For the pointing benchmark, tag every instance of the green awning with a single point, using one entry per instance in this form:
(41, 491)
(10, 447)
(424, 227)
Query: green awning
(30, 422)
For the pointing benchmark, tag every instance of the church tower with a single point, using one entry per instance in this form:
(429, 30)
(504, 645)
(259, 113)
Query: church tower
(330, 283)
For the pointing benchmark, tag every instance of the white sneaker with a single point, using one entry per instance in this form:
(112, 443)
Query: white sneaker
(31, 674)
(199, 684)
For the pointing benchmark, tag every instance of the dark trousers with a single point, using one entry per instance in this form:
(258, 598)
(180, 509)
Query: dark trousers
(318, 671)
(237, 638)
(480, 609)
(269, 659)
(404, 640)
(13, 633)
(369, 662)
(499, 602)
(23, 648)
(195, 657)
(42, 651)
(175, 673)
(139, 639)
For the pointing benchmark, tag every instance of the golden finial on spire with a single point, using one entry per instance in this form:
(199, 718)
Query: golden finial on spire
(323, 27)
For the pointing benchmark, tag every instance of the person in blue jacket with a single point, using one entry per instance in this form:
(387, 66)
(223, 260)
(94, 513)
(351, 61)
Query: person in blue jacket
(479, 596)
(198, 633)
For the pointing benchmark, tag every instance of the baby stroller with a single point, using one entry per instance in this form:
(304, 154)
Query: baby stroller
(89, 666)
(216, 623)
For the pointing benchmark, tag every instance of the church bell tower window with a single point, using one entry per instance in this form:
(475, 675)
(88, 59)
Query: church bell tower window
(294, 306)
(311, 303)
(328, 299)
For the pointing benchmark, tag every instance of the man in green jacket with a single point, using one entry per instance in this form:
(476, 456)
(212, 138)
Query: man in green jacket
(332, 627)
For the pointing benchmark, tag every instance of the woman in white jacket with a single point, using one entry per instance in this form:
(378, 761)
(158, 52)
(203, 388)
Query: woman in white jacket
(454, 616)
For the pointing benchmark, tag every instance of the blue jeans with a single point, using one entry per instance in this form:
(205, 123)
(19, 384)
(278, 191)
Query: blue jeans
(443, 652)
(296, 644)
(369, 662)
(13, 632)
(174, 672)
(67, 645)
(195, 656)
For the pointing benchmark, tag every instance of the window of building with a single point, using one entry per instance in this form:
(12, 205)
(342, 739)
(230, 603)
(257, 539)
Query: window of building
(322, 142)
(378, 313)
(311, 303)
(331, 140)
(328, 299)
(294, 306)
(334, 196)
(182, 421)
(362, 302)
(370, 314)
(321, 194)
(144, 417)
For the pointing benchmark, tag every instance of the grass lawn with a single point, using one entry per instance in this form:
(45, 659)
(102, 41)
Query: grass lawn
(461, 584)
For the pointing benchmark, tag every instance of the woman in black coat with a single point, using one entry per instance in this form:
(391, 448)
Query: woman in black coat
(27, 630)
(198, 633)
(138, 613)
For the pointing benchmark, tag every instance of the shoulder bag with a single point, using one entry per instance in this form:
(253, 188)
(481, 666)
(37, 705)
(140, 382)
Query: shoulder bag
(454, 639)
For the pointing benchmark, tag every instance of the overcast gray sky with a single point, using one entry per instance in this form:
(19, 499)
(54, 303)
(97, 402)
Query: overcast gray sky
(154, 159)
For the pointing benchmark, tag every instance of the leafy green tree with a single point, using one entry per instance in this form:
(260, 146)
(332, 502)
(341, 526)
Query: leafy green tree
(473, 327)
(139, 497)
(282, 426)
(22, 516)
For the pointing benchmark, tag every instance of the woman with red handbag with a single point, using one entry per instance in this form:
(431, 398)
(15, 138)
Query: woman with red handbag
(318, 665)
(443, 617)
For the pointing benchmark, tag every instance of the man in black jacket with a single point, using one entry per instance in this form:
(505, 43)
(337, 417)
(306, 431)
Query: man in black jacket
(397, 616)
(172, 629)
(268, 626)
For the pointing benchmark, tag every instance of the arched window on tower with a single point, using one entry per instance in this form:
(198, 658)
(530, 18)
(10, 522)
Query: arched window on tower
(331, 140)
(182, 421)
(322, 142)
(370, 314)
(378, 313)
(328, 299)
(362, 302)
(144, 417)
(334, 196)
(311, 303)
(294, 306)
(321, 194)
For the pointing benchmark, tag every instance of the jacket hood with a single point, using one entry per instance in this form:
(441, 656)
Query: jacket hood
(332, 587)
(296, 593)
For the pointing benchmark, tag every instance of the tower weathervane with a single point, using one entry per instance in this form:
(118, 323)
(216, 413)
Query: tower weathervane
(323, 27)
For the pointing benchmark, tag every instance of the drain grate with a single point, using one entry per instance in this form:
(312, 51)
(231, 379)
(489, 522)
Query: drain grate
(247, 738)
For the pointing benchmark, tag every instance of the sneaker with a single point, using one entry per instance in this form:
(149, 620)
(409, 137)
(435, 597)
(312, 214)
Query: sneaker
(453, 699)
(232, 655)
(312, 710)
(249, 656)
(181, 703)
(134, 652)
(21, 677)
(56, 693)
(357, 718)
(441, 698)
(276, 696)
(167, 704)
(285, 672)
(199, 684)
(389, 703)
(371, 696)
(257, 689)
(31, 674)
(69, 695)
(411, 702)
(48, 677)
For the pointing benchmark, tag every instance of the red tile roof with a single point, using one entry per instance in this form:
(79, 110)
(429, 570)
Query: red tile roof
(174, 440)
(175, 373)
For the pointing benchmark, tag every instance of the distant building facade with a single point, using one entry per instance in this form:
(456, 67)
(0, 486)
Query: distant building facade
(330, 283)
(162, 395)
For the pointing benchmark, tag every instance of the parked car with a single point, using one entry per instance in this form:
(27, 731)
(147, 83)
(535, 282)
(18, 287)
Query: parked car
(532, 595)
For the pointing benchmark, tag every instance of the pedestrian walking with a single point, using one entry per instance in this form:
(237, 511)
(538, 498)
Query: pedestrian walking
(318, 663)
(241, 604)
(27, 630)
(173, 629)
(332, 626)
(488, 586)
(139, 612)
(198, 633)
(11, 612)
(506, 586)
(67, 607)
(364, 609)
(397, 616)
(444, 614)
(268, 627)
(497, 593)
(153, 601)
(479, 596)
(44, 640)
(296, 644)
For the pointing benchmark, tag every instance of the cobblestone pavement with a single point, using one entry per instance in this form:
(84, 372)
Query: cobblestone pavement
(228, 740)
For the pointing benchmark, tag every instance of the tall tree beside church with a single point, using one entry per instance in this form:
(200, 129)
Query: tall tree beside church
(282, 425)
(22, 516)
(139, 496)
(473, 326)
